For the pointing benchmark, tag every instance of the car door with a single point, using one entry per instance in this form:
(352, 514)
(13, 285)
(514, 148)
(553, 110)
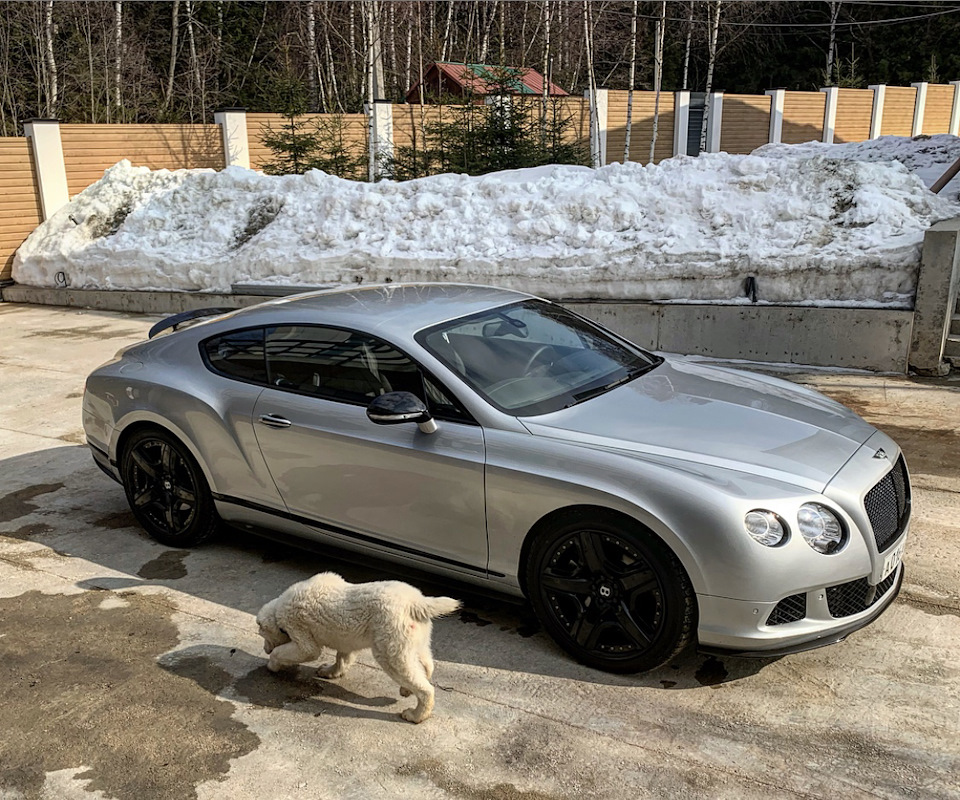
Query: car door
(392, 485)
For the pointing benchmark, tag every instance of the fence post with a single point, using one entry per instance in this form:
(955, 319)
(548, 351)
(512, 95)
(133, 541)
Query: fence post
(777, 97)
(830, 113)
(681, 122)
(918, 108)
(936, 297)
(381, 138)
(876, 118)
(233, 130)
(955, 111)
(598, 128)
(715, 107)
(47, 151)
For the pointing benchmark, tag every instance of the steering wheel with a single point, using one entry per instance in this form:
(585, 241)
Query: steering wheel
(536, 354)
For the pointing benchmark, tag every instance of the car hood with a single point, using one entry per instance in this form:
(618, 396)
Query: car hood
(717, 416)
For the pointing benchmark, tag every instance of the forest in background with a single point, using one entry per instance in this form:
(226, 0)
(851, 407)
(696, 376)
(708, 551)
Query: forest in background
(179, 60)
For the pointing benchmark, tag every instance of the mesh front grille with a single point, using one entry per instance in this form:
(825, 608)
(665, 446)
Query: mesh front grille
(790, 609)
(888, 505)
(856, 596)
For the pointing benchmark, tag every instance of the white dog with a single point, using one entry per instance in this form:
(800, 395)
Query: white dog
(390, 617)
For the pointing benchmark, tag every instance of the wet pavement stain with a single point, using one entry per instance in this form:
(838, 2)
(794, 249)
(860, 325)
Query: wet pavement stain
(668, 684)
(75, 437)
(167, 566)
(436, 772)
(930, 451)
(117, 520)
(74, 678)
(711, 673)
(26, 533)
(470, 618)
(87, 332)
(17, 504)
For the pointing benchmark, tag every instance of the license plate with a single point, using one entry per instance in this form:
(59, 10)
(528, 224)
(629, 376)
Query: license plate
(892, 560)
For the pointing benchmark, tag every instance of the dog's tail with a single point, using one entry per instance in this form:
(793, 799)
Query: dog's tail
(428, 608)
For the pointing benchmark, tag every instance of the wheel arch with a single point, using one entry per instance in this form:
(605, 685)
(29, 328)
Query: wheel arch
(607, 514)
(149, 422)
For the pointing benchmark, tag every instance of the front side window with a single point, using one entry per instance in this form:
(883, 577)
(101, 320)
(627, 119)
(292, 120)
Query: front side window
(347, 366)
(535, 357)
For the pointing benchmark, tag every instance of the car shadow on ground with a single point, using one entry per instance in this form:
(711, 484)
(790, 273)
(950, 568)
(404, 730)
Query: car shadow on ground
(61, 501)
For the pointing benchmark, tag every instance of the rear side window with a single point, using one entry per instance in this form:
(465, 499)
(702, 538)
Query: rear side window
(239, 354)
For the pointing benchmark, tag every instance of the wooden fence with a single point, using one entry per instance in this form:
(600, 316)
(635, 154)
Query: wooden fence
(19, 198)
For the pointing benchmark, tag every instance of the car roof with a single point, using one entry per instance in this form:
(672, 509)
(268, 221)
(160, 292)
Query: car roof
(402, 308)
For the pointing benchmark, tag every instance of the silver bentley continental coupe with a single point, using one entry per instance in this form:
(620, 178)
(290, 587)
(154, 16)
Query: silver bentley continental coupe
(641, 503)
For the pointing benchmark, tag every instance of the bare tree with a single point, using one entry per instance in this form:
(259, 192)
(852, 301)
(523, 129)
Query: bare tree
(174, 34)
(595, 150)
(117, 55)
(834, 12)
(686, 49)
(711, 62)
(631, 81)
(658, 75)
(51, 62)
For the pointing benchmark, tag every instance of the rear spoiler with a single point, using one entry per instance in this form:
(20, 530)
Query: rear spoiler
(177, 320)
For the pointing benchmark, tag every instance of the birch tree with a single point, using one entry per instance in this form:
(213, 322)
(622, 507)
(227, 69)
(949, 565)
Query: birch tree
(630, 81)
(174, 34)
(714, 11)
(50, 61)
(834, 12)
(658, 75)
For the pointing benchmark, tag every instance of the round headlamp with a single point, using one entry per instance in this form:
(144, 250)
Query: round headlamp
(820, 528)
(765, 527)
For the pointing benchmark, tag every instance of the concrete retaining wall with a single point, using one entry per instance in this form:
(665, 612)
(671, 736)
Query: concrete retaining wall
(834, 337)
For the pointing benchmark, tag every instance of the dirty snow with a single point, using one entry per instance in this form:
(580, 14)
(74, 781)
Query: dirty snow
(810, 227)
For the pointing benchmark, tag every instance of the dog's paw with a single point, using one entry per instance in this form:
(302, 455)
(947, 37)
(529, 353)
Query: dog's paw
(330, 671)
(404, 692)
(411, 715)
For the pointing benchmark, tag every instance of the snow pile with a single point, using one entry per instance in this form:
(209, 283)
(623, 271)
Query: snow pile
(811, 229)
(926, 156)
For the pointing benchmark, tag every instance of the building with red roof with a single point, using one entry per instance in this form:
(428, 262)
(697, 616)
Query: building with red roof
(470, 80)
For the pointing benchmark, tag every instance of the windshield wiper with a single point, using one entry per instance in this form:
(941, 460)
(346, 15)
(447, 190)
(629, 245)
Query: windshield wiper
(636, 372)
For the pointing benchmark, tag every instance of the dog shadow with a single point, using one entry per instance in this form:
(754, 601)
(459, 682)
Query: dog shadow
(215, 669)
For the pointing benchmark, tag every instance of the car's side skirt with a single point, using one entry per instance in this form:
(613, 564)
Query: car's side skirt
(353, 535)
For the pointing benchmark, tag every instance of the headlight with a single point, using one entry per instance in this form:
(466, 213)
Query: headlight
(820, 528)
(766, 527)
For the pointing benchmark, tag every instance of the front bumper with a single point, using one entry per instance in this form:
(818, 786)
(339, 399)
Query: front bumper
(739, 627)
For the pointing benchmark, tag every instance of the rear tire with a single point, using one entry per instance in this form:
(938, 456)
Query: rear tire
(166, 489)
(611, 593)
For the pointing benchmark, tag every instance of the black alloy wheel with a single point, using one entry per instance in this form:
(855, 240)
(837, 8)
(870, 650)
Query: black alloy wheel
(611, 594)
(166, 490)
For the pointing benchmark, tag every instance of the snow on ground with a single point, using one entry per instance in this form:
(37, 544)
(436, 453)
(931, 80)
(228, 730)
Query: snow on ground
(810, 227)
(926, 156)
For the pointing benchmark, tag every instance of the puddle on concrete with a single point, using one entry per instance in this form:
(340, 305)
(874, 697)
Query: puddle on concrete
(436, 772)
(82, 686)
(167, 566)
(119, 519)
(17, 504)
(712, 672)
(25, 533)
(470, 618)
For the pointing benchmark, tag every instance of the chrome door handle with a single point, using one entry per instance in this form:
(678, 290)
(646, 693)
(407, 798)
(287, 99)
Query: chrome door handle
(274, 421)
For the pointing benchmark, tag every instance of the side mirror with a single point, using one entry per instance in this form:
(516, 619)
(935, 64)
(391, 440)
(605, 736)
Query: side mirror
(393, 408)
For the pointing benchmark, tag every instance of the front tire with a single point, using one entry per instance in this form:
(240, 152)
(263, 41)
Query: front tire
(166, 489)
(610, 593)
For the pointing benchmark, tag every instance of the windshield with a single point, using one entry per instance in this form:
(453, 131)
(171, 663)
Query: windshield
(535, 357)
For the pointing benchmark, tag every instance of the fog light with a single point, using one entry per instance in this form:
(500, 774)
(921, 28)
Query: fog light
(820, 528)
(766, 527)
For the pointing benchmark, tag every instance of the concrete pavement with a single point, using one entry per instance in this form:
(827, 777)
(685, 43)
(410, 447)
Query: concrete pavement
(135, 671)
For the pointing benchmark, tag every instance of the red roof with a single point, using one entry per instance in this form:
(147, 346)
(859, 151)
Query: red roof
(482, 79)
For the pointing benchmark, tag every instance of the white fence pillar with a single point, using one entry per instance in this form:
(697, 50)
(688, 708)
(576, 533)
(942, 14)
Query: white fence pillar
(381, 138)
(233, 129)
(714, 120)
(681, 122)
(777, 98)
(876, 118)
(44, 136)
(598, 126)
(919, 107)
(955, 111)
(830, 113)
